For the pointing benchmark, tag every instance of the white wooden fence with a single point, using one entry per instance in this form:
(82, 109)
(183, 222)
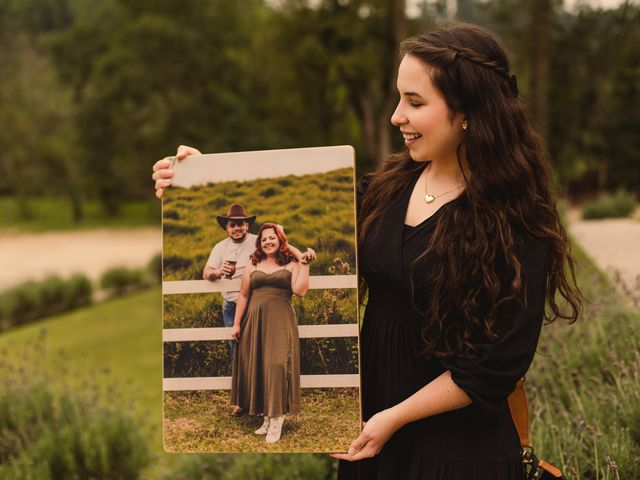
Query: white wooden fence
(224, 333)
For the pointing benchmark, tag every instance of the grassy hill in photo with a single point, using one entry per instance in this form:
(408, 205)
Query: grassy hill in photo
(306, 206)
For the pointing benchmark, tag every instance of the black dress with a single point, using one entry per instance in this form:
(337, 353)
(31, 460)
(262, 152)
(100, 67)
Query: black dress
(478, 442)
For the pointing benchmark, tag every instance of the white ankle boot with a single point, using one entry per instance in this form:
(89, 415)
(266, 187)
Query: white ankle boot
(264, 428)
(275, 429)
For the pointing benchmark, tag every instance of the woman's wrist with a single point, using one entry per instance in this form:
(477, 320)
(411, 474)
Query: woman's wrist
(397, 416)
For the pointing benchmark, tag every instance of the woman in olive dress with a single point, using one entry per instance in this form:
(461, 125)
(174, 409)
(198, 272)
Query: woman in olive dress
(266, 363)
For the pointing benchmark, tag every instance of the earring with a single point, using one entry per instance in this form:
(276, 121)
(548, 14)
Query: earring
(465, 125)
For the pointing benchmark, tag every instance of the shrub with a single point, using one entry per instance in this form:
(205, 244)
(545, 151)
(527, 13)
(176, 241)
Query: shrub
(79, 291)
(176, 262)
(193, 310)
(218, 203)
(269, 192)
(49, 433)
(197, 359)
(53, 296)
(155, 268)
(176, 228)
(171, 215)
(619, 205)
(253, 467)
(23, 303)
(120, 280)
(33, 300)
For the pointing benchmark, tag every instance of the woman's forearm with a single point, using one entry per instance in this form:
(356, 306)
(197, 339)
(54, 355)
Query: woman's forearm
(300, 284)
(438, 396)
(241, 305)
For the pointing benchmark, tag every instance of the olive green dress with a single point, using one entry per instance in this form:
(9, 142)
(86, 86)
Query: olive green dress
(266, 363)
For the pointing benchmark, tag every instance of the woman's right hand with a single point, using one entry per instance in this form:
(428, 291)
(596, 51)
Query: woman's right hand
(162, 172)
(235, 332)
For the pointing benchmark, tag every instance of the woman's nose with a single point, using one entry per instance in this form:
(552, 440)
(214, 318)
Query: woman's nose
(398, 118)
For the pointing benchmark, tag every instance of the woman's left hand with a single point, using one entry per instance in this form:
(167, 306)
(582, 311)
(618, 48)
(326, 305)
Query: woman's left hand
(308, 256)
(374, 435)
(235, 332)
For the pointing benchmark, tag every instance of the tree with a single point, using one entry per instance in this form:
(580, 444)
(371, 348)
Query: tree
(37, 135)
(540, 38)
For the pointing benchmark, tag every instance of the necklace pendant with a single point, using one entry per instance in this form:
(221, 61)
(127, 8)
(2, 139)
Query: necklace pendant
(429, 198)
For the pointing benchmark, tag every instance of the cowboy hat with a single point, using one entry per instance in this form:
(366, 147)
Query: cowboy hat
(235, 212)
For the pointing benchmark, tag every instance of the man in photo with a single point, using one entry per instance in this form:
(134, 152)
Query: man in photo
(229, 257)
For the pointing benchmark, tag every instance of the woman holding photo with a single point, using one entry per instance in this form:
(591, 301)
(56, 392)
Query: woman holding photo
(461, 247)
(266, 366)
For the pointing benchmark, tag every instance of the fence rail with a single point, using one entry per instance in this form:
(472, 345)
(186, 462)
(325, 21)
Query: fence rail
(224, 333)
(224, 383)
(173, 287)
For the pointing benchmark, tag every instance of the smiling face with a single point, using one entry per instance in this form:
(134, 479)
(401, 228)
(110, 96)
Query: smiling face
(269, 241)
(430, 130)
(237, 229)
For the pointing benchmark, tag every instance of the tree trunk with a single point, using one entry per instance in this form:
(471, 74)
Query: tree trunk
(540, 42)
(369, 125)
(77, 204)
(398, 34)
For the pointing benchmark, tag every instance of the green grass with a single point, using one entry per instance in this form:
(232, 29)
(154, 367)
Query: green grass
(117, 344)
(584, 386)
(121, 337)
(200, 422)
(50, 213)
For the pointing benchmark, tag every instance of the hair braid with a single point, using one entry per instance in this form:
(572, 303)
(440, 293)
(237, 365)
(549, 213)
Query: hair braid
(479, 59)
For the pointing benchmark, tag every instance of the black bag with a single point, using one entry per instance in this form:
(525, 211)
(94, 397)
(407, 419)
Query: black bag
(534, 468)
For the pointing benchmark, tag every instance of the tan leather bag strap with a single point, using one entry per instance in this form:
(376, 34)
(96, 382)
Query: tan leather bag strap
(520, 413)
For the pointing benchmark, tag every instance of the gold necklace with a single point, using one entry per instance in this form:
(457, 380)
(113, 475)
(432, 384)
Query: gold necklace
(430, 198)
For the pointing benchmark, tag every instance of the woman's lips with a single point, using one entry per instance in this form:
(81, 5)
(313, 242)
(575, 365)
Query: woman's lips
(411, 138)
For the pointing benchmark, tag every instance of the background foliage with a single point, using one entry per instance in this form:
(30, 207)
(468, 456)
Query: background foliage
(91, 92)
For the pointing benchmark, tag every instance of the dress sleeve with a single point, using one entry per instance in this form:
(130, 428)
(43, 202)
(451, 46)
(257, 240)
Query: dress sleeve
(490, 375)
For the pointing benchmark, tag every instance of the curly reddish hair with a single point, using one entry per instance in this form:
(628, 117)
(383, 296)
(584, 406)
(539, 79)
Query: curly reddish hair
(283, 255)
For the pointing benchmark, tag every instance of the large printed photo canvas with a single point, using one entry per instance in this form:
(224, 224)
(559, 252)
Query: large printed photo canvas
(231, 216)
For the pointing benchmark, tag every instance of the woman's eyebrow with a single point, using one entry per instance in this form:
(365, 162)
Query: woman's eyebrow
(412, 94)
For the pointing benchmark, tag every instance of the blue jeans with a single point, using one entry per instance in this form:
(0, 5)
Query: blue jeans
(228, 315)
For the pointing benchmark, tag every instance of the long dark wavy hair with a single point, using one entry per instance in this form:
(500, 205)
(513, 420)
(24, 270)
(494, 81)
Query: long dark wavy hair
(283, 255)
(508, 188)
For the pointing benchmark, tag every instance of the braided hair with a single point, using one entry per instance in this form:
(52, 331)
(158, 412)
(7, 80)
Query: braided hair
(480, 59)
(509, 194)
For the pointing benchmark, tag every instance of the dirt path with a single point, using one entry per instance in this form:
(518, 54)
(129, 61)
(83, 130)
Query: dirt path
(614, 245)
(34, 256)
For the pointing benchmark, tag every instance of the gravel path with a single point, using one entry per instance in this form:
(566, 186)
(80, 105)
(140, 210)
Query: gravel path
(614, 246)
(29, 256)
